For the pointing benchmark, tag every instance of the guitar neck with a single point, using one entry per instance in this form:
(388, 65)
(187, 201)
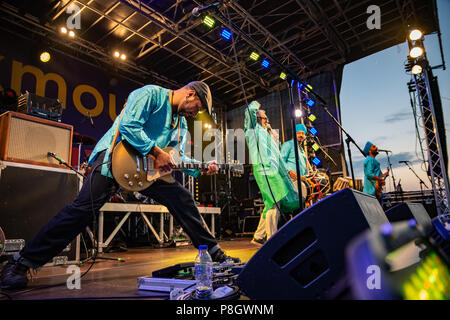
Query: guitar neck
(199, 166)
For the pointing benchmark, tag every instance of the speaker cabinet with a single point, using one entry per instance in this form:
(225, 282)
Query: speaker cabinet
(28, 139)
(30, 196)
(306, 257)
(409, 210)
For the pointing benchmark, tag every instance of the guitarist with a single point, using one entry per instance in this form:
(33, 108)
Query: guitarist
(151, 117)
(373, 178)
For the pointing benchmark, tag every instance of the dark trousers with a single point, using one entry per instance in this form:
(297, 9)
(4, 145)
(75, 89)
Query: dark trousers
(74, 218)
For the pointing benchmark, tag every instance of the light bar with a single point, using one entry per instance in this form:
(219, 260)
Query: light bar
(254, 56)
(226, 34)
(311, 102)
(265, 63)
(316, 161)
(315, 146)
(312, 117)
(283, 76)
(210, 22)
(313, 131)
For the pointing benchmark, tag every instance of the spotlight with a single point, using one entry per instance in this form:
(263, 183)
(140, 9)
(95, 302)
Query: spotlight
(226, 34)
(315, 146)
(416, 52)
(316, 161)
(415, 35)
(71, 34)
(210, 22)
(45, 56)
(311, 102)
(265, 63)
(283, 76)
(254, 56)
(416, 69)
(116, 54)
(123, 56)
(63, 30)
(313, 131)
(312, 117)
(298, 113)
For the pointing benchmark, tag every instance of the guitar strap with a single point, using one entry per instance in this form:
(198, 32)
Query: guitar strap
(117, 133)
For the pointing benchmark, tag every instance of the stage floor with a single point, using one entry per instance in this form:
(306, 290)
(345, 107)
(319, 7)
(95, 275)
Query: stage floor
(118, 280)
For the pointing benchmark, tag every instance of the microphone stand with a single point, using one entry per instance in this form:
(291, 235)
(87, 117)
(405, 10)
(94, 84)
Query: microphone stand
(390, 169)
(420, 180)
(51, 154)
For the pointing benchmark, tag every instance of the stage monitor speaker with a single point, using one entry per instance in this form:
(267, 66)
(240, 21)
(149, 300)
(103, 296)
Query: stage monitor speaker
(30, 196)
(306, 257)
(407, 211)
(28, 139)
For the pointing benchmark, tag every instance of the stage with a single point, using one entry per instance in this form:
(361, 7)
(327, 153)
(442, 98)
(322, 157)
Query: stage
(118, 280)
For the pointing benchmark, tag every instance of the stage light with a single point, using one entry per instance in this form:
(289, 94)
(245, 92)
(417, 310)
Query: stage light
(316, 161)
(415, 35)
(283, 76)
(265, 63)
(311, 103)
(254, 56)
(210, 22)
(63, 30)
(416, 52)
(312, 117)
(309, 86)
(417, 69)
(313, 131)
(71, 34)
(45, 56)
(315, 146)
(123, 56)
(226, 34)
(298, 113)
(300, 85)
(116, 54)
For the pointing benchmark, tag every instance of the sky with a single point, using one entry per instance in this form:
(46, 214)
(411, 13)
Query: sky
(375, 105)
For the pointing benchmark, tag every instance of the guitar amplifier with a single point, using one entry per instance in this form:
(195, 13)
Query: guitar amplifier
(28, 139)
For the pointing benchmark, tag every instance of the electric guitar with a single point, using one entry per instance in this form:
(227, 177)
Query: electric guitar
(380, 184)
(134, 172)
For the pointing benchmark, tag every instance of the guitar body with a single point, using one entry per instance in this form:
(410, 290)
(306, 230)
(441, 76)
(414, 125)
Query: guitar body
(379, 188)
(133, 172)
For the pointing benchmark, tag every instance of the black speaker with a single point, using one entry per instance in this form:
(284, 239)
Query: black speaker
(409, 210)
(30, 196)
(306, 257)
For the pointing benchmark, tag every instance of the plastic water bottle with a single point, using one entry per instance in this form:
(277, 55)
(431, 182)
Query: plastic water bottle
(203, 273)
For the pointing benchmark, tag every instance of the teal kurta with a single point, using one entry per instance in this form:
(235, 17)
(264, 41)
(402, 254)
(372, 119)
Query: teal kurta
(288, 155)
(145, 123)
(270, 165)
(371, 168)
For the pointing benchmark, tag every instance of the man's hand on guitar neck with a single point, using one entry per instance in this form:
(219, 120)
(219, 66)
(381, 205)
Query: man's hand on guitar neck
(212, 168)
(163, 160)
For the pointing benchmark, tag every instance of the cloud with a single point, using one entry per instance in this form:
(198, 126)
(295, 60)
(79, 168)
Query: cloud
(358, 162)
(398, 116)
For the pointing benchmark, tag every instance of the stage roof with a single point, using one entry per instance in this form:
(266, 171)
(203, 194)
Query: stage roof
(165, 44)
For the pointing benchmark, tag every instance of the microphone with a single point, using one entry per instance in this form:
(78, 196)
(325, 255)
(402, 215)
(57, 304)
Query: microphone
(385, 150)
(198, 10)
(268, 127)
(403, 161)
(90, 118)
(51, 154)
